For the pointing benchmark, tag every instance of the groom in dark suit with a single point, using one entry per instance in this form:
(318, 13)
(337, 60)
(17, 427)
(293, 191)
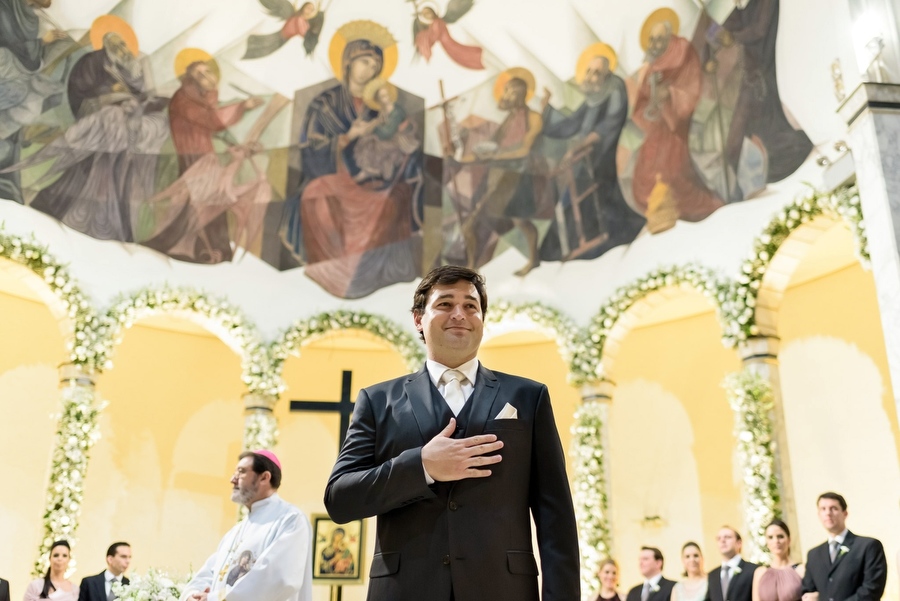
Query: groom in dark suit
(655, 587)
(4, 590)
(99, 587)
(733, 580)
(455, 460)
(846, 567)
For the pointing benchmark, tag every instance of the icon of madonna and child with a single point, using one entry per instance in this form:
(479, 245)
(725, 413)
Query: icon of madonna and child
(353, 218)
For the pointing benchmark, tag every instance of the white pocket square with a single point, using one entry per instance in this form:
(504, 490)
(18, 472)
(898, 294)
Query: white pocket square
(508, 412)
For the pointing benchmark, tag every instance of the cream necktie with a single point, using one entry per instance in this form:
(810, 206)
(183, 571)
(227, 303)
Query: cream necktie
(453, 392)
(645, 594)
(726, 580)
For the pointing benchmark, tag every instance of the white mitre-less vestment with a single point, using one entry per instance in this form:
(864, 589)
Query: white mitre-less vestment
(265, 557)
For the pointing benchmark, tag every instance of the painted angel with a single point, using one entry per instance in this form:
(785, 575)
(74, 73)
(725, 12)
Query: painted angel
(305, 22)
(430, 29)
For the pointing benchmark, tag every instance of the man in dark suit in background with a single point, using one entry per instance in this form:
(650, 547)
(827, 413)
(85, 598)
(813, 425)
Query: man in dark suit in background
(655, 587)
(99, 587)
(4, 590)
(846, 567)
(733, 580)
(452, 459)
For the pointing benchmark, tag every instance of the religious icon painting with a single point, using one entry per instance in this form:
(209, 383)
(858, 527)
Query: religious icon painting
(244, 563)
(338, 551)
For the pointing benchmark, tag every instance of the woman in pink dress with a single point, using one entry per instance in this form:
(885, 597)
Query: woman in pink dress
(781, 580)
(54, 584)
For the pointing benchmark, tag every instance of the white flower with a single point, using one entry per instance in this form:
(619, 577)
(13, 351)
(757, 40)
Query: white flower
(737, 570)
(654, 588)
(843, 550)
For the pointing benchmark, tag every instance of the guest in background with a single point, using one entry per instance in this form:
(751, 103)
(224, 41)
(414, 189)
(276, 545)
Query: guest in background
(781, 581)
(608, 572)
(97, 588)
(695, 584)
(4, 590)
(54, 584)
(733, 580)
(656, 587)
(846, 566)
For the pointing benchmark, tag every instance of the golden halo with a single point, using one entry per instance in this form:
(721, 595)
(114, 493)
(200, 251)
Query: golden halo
(372, 88)
(660, 15)
(591, 52)
(519, 72)
(188, 56)
(105, 24)
(363, 30)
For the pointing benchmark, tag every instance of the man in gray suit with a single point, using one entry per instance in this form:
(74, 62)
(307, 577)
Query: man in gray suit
(455, 460)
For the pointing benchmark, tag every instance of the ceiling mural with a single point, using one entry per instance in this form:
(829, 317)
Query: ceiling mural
(365, 144)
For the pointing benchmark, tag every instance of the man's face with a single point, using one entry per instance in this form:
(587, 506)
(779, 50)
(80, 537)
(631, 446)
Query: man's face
(659, 40)
(244, 482)
(117, 48)
(205, 77)
(512, 97)
(452, 323)
(832, 516)
(363, 69)
(728, 544)
(596, 74)
(648, 564)
(118, 563)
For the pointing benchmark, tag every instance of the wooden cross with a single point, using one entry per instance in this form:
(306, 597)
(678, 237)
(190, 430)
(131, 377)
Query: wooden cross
(344, 406)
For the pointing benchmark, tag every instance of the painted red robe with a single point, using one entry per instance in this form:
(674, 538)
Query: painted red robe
(464, 56)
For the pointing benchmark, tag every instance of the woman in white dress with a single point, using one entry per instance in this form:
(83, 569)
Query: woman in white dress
(694, 585)
(54, 584)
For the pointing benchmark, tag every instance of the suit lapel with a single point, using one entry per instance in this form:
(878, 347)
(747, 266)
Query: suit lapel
(848, 541)
(100, 585)
(418, 392)
(486, 388)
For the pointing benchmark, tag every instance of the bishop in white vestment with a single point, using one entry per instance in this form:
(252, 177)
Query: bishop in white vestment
(265, 557)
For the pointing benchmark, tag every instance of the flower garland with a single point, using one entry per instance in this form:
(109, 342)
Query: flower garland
(551, 321)
(843, 203)
(591, 502)
(586, 365)
(76, 433)
(260, 430)
(750, 397)
(318, 325)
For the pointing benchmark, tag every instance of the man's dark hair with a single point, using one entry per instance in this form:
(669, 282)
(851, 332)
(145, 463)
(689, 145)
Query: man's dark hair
(114, 548)
(263, 464)
(834, 497)
(446, 275)
(657, 555)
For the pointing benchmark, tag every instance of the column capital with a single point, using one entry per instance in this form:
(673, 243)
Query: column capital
(601, 391)
(75, 374)
(254, 401)
(759, 348)
(870, 95)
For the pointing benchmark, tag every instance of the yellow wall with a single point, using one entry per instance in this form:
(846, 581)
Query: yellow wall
(839, 408)
(672, 447)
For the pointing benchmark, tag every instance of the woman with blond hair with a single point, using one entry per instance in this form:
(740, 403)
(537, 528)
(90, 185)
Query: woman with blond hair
(608, 572)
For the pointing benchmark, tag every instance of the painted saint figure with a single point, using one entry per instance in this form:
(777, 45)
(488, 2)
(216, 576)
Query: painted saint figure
(306, 23)
(355, 237)
(664, 184)
(337, 558)
(389, 139)
(587, 171)
(430, 29)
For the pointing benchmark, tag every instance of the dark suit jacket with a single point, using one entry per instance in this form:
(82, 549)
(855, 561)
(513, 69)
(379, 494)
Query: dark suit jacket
(473, 535)
(663, 594)
(4, 590)
(93, 588)
(857, 575)
(739, 589)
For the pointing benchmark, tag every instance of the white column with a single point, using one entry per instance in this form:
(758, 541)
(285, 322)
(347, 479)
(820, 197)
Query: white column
(260, 425)
(872, 113)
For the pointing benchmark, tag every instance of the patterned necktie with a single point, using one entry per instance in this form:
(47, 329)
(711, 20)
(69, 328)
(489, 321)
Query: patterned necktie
(726, 580)
(833, 551)
(453, 392)
(645, 594)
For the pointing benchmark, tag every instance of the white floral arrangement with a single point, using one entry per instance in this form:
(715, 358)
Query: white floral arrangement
(589, 495)
(750, 397)
(156, 585)
(843, 203)
(586, 369)
(305, 330)
(260, 430)
(77, 431)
